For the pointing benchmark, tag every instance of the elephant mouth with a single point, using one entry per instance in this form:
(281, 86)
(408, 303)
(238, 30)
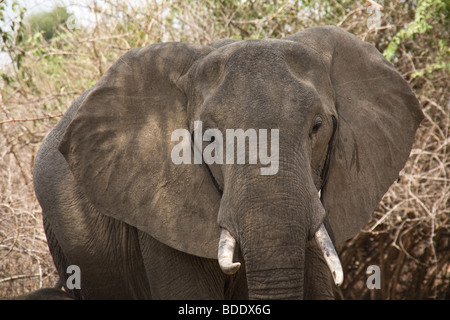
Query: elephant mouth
(227, 246)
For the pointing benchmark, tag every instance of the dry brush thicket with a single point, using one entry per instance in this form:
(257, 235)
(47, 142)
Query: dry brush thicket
(408, 237)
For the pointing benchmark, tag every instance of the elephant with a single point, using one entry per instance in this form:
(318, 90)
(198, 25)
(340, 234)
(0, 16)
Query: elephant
(140, 223)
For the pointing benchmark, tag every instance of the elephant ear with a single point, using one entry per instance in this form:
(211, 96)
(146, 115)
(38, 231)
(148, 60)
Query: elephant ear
(377, 117)
(118, 147)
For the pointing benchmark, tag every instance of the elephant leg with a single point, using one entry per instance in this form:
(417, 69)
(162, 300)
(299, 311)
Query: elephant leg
(105, 250)
(318, 278)
(176, 275)
(59, 258)
(109, 261)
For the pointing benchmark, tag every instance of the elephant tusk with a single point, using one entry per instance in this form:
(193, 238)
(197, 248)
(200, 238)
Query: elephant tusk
(225, 253)
(329, 253)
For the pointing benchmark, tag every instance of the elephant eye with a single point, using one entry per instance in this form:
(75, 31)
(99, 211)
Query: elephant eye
(317, 124)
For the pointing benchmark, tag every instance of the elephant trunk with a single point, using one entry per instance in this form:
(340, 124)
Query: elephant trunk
(227, 247)
(275, 261)
(271, 220)
(272, 236)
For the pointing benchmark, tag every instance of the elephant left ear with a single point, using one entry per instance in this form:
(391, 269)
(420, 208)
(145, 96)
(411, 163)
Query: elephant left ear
(377, 118)
(119, 146)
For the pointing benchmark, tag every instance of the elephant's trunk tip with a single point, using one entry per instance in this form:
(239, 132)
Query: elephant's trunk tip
(331, 257)
(225, 253)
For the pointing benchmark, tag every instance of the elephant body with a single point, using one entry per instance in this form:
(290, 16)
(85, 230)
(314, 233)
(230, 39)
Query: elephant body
(112, 267)
(74, 229)
(140, 226)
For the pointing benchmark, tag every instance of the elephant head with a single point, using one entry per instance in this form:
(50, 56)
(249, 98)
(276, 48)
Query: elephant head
(345, 122)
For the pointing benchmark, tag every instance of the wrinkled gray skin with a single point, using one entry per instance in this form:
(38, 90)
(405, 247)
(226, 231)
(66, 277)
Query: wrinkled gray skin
(139, 226)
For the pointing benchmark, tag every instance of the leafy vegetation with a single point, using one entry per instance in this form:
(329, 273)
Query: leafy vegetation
(47, 23)
(54, 58)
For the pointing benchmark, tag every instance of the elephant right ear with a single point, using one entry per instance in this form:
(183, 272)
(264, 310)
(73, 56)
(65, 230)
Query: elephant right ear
(377, 118)
(118, 147)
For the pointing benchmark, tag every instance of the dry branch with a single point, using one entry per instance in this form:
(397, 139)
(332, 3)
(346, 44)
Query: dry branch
(21, 276)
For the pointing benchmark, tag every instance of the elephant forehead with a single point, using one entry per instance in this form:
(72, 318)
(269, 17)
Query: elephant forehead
(267, 56)
(265, 67)
(253, 104)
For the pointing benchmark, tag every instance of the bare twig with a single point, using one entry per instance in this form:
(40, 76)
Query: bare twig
(21, 276)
